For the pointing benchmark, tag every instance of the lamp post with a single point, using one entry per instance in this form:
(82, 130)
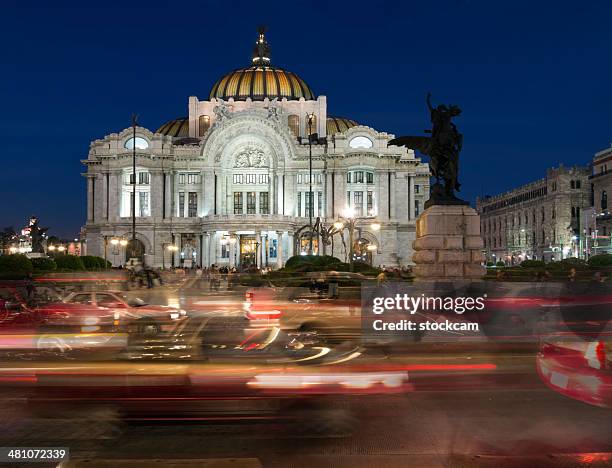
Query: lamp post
(310, 118)
(171, 248)
(134, 122)
(348, 221)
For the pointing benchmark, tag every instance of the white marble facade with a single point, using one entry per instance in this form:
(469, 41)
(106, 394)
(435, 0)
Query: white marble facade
(232, 188)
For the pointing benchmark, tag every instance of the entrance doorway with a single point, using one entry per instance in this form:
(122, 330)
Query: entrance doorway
(135, 249)
(248, 251)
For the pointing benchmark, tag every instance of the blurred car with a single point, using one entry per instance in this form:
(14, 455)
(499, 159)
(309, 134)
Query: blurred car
(575, 356)
(225, 373)
(309, 307)
(90, 312)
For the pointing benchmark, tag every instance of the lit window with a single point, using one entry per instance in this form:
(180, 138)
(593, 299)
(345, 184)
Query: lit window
(294, 124)
(251, 202)
(360, 142)
(141, 143)
(237, 202)
(204, 122)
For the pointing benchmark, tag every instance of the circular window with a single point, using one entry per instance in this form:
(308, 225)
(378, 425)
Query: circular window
(360, 142)
(141, 143)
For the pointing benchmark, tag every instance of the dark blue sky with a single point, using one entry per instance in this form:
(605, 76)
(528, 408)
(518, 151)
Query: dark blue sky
(534, 79)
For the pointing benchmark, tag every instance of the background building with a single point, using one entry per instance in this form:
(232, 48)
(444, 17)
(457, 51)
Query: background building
(229, 184)
(541, 220)
(601, 183)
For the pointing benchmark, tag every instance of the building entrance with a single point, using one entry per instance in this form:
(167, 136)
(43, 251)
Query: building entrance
(248, 251)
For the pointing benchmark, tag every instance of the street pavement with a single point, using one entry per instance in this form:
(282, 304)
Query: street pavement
(495, 413)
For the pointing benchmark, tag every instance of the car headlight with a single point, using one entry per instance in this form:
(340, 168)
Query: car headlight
(175, 315)
(182, 312)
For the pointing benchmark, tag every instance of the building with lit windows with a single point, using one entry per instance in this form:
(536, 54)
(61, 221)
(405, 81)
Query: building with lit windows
(542, 220)
(229, 183)
(601, 184)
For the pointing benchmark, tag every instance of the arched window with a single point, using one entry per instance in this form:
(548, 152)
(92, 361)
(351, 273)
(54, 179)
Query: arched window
(294, 124)
(572, 184)
(204, 124)
(604, 200)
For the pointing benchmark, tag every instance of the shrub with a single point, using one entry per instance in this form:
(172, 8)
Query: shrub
(568, 263)
(92, 262)
(318, 262)
(490, 263)
(602, 260)
(69, 262)
(43, 264)
(500, 263)
(17, 265)
(532, 263)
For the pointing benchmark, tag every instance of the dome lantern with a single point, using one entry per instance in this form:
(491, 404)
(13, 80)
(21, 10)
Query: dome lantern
(261, 80)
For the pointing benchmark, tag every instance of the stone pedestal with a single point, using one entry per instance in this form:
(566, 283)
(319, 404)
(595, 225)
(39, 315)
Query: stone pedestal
(448, 244)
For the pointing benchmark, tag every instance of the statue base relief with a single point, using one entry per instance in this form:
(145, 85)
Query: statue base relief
(448, 244)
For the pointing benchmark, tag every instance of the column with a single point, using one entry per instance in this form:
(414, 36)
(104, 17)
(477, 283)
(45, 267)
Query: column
(411, 197)
(105, 195)
(211, 248)
(115, 195)
(258, 247)
(168, 193)
(99, 198)
(279, 249)
(340, 193)
(328, 196)
(290, 245)
(208, 190)
(290, 196)
(391, 179)
(90, 198)
(382, 200)
(202, 196)
(232, 249)
(157, 182)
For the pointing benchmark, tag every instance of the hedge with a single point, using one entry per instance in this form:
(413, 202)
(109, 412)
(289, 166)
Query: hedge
(532, 263)
(92, 262)
(602, 260)
(15, 265)
(69, 262)
(43, 264)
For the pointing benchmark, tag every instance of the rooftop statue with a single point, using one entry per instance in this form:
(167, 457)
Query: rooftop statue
(443, 148)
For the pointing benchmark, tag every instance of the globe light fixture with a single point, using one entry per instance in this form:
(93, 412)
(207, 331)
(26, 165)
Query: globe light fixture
(375, 226)
(114, 241)
(51, 248)
(349, 213)
(61, 248)
(123, 242)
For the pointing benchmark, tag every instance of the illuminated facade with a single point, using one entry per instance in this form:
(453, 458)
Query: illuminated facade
(601, 183)
(229, 184)
(542, 220)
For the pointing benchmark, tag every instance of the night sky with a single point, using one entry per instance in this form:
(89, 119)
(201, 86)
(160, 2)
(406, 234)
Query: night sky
(533, 80)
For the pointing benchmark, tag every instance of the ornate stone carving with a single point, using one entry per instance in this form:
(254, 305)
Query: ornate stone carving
(222, 111)
(251, 157)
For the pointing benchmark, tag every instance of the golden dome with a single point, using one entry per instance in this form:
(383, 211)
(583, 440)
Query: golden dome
(261, 80)
(175, 128)
(339, 125)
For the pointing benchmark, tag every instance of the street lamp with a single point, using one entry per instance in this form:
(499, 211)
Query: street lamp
(348, 221)
(310, 117)
(50, 247)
